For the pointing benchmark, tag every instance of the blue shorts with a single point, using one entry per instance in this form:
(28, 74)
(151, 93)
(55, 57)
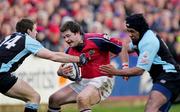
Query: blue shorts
(7, 80)
(166, 93)
(169, 85)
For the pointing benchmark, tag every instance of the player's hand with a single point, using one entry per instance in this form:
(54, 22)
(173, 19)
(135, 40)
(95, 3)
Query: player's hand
(83, 59)
(63, 71)
(108, 69)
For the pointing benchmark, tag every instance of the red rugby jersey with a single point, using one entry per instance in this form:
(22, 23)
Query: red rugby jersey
(97, 46)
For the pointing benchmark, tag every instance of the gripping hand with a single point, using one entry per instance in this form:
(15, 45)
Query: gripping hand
(83, 59)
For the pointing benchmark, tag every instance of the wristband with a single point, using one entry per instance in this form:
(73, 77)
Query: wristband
(125, 65)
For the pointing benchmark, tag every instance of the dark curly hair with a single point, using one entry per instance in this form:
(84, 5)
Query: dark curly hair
(137, 22)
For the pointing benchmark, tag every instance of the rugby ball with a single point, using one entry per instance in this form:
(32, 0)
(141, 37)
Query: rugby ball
(75, 75)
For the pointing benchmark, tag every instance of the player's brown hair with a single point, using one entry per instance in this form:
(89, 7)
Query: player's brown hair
(72, 26)
(24, 24)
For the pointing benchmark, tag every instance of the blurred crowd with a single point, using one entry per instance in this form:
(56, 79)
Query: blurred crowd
(102, 16)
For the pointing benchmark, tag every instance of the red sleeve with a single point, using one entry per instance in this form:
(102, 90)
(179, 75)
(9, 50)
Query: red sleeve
(90, 35)
(116, 41)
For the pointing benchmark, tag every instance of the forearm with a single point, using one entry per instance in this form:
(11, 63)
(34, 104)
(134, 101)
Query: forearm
(130, 71)
(62, 57)
(124, 58)
(65, 58)
(57, 56)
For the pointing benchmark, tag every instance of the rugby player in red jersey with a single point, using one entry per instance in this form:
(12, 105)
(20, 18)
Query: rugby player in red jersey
(94, 86)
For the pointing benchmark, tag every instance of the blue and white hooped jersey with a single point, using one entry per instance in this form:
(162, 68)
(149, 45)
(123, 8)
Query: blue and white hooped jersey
(14, 49)
(154, 55)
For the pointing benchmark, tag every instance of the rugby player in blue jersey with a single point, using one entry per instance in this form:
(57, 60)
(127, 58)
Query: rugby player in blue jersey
(155, 57)
(13, 50)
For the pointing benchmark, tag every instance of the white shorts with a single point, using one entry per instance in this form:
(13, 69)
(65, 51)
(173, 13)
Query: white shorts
(104, 84)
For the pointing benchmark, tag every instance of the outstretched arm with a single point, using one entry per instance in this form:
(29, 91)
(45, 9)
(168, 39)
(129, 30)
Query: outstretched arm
(57, 56)
(111, 70)
(125, 71)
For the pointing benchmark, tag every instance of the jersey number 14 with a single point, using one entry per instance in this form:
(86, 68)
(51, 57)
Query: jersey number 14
(10, 42)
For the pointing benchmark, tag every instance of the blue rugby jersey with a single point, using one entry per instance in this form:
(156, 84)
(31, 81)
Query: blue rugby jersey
(154, 55)
(14, 49)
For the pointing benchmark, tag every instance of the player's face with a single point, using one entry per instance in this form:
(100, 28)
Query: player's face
(133, 34)
(72, 39)
(33, 33)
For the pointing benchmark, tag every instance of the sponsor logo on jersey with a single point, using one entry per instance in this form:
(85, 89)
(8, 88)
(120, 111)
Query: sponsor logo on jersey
(145, 58)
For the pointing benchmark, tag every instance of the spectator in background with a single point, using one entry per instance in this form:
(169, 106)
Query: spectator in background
(54, 37)
(5, 30)
(96, 27)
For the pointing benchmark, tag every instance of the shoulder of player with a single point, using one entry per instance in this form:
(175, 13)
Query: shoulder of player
(23, 36)
(17, 36)
(90, 36)
(149, 35)
(104, 38)
(28, 37)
